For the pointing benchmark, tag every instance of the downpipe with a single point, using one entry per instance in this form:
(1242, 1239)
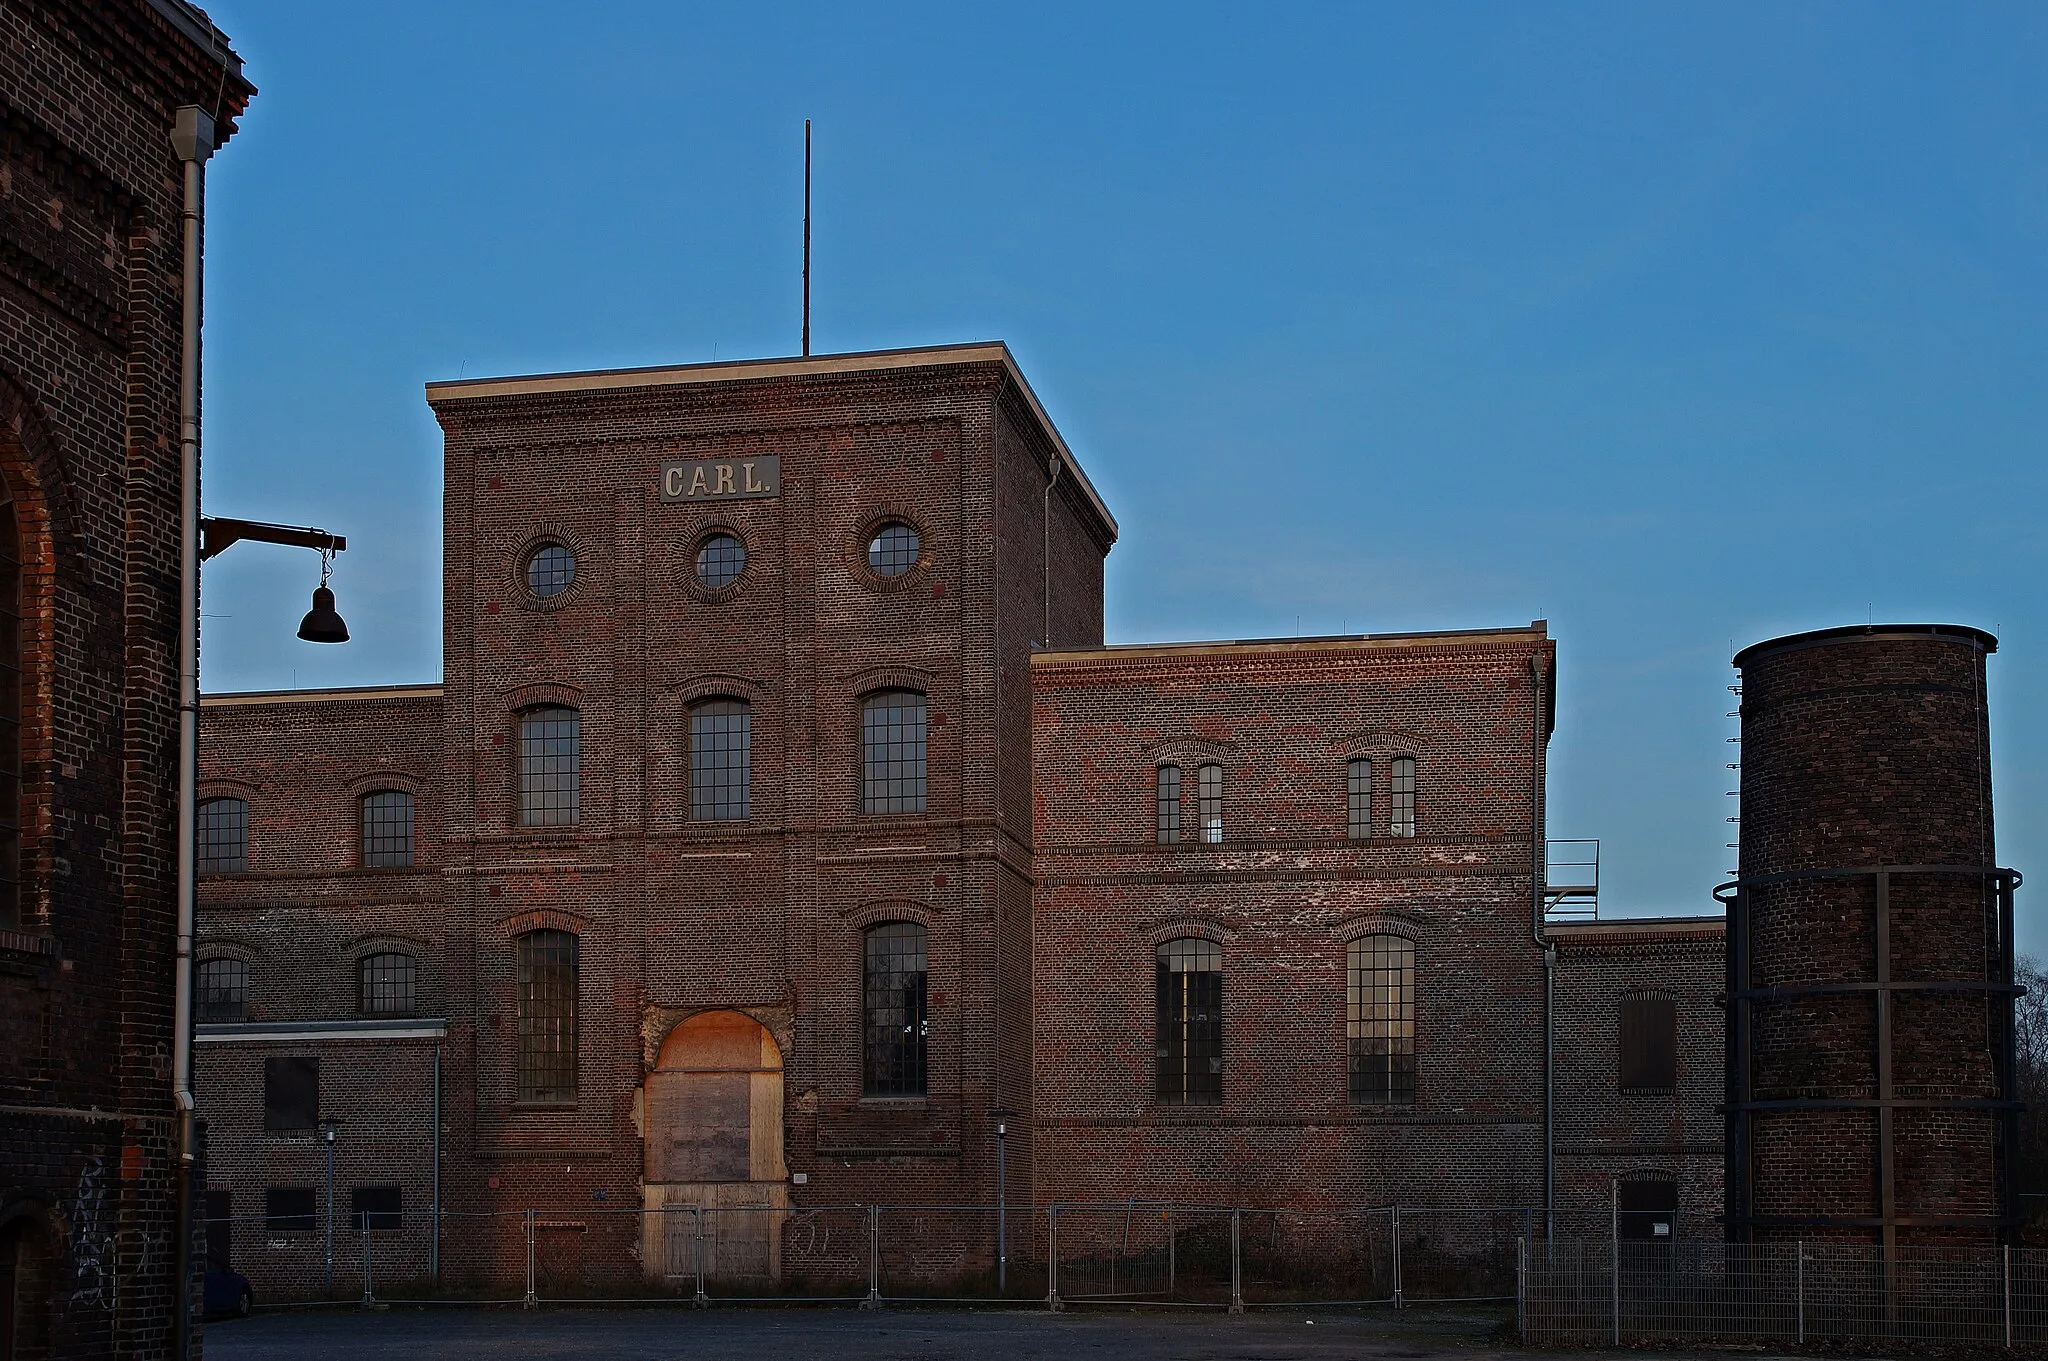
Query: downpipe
(1539, 871)
(193, 138)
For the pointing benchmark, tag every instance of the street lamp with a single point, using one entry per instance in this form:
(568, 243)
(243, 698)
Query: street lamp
(321, 625)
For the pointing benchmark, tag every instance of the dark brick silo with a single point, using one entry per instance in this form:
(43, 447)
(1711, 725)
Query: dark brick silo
(1869, 945)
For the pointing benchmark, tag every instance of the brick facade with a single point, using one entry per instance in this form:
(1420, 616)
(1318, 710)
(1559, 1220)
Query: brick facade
(90, 301)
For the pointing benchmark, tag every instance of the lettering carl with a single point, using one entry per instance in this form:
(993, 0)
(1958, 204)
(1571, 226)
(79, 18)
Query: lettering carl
(722, 479)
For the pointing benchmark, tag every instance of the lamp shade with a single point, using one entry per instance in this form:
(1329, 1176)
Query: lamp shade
(322, 624)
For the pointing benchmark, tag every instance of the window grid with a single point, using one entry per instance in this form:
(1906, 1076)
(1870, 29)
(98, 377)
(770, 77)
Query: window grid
(721, 760)
(893, 551)
(547, 1016)
(720, 560)
(895, 1010)
(387, 828)
(1403, 796)
(551, 570)
(1209, 800)
(550, 767)
(223, 828)
(1190, 1022)
(223, 990)
(10, 716)
(893, 730)
(1380, 1020)
(1167, 801)
(1359, 792)
(389, 982)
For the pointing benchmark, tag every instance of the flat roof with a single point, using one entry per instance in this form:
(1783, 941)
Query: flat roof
(795, 366)
(1639, 926)
(1318, 643)
(231, 698)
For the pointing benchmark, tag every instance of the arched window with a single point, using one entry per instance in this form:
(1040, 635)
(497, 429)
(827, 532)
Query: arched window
(721, 760)
(892, 734)
(10, 717)
(1380, 1020)
(1358, 781)
(387, 828)
(1190, 996)
(223, 990)
(1166, 805)
(1403, 792)
(223, 827)
(550, 767)
(1209, 798)
(547, 1015)
(895, 1010)
(386, 984)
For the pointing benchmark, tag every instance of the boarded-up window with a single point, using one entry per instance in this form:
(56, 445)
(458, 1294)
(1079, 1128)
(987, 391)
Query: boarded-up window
(1647, 1210)
(290, 1209)
(380, 1209)
(1649, 1043)
(547, 1016)
(291, 1093)
(1189, 978)
(220, 1230)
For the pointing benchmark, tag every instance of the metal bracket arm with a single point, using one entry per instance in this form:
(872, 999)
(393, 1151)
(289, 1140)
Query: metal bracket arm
(217, 534)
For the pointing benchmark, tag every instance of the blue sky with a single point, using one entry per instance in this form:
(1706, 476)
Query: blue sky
(1680, 327)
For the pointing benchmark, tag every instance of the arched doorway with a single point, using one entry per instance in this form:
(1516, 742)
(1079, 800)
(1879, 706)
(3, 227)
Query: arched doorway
(714, 1143)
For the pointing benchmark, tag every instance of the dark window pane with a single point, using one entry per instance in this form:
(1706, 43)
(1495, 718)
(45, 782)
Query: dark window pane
(1649, 1043)
(721, 759)
(550, 767)
(1647, 1210)
(1190, 1021)
(550, 571)
(387, 828)
(1403, 792)
(388, 984)
(220, 1230)
(893, 551)
(223, 828)
(720, 561)
(1167, 802)
(290, 1209)
(380, 1209)
(1359, 792)
(895, 1010)
(291, 1093)
(892, 753)
(1380, 1020)
(547, 1016)
(1209, 797)
(223, 987)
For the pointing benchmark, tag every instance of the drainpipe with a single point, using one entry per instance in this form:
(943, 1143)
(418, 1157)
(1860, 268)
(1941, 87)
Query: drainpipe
(1045, 549)
(1540, 871)
(194, 138)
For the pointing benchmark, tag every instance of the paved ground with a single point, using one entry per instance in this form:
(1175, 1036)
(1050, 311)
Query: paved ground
(668, 1334)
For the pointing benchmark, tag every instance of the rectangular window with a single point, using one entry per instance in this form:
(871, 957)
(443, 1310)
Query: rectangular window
(1649, 1043)
(1209, 801)
(290, 1209)
(223, 990)
(1167, 805)
(1380, 1020)
(1403, 792)
(223, 835)
(220, 1230)
(389, 984)
(380, 1209)
(387, 828)
(893, 731)
(550, 767)
(721, 760)
(291, 1094)
(547, 1016)
(1189, 974)
(1359, 793)
(895, 987)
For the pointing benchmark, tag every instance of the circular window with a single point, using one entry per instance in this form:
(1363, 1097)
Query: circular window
(893, 550)
(550, 570)
(720, 560)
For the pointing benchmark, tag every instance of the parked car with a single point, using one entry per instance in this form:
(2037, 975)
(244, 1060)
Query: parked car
(228, 1294)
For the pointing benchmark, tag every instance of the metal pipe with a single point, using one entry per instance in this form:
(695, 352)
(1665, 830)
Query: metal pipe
(1002, 1224)
(1540, 873)
(1045, 546)
(434, 1243)
(193, 138)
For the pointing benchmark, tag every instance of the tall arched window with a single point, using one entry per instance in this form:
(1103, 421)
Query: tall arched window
(1403, 794)
(223, 830)
(892, 739)
(1209, 800)
(387, 828)
(1358, 795)
(1380, 1020)
(1166, 804)
(721, 760)
(10, 717)
(548, 969)
(550, 767)
(894, 1008)
(1190, 1016)
(223, 990)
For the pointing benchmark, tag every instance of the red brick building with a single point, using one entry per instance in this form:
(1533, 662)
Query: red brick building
(105, 105)
(782, 826)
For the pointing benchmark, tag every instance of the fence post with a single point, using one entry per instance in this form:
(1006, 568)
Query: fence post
(1052, 1259)
(697, 1254)
(1522, 1286)
(1172, 1252)
(874, 1299)
(1799, 1288)
(1614, 1252)
(532, 1300)
(369, 1292)
(2006, 1273)
(1394, 1213)
(1236, 1272)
